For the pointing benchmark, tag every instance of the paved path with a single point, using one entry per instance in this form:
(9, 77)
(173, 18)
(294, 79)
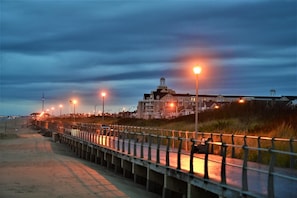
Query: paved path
(34, 166)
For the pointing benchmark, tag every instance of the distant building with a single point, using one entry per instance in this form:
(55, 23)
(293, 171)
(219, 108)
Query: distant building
(38, 116)
(166, 103)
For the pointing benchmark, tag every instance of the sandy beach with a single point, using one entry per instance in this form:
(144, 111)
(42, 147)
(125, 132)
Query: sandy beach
(32, 165)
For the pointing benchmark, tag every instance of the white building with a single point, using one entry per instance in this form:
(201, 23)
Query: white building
(166, 103)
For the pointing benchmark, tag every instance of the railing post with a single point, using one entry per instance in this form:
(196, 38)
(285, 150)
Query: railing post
(259, 150)
(244, 168)
(172, 135)
(113, 142)
(270, 186)
(223, 165)
(221, 140)
(129, 143)
(167, 151)
(187, 145)
(179, 153)
(192, 156)
(291, 156)
(211, 149)
(233, 148)
(206, 159)
(149, 148)
(141, 148)
(244, 140)
(135, 141)
(105, 139)
(110, 139)
(158, 149)
(118, 146)
(123, 142)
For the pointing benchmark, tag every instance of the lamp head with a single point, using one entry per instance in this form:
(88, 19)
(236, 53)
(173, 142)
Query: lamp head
(197, 70)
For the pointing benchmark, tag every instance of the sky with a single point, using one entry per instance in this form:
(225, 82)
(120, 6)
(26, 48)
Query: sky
(75, 49)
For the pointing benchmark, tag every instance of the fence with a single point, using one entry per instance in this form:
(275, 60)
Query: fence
(176, 149)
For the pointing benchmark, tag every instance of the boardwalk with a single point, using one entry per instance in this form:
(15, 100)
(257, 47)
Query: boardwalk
(165, 160)
(257, 173)
(34, 166)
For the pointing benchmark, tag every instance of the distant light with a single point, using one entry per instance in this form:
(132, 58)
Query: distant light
(197, 70)
(241, 101)
(60, 106)
(217, 107)
(172, 104)
(103, 94)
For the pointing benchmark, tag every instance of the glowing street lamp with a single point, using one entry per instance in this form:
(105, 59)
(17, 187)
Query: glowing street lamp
(103, 94)
(74, 103)
(197, 71)
(95, 109)
(53, 108)
(60, 106)
(241, 101)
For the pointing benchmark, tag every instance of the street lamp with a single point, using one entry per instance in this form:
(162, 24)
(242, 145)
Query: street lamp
(103, 94)
(241, 101)
(60, 106)
(197, 71)
(53, 108)
(95, 110)
(74, 103)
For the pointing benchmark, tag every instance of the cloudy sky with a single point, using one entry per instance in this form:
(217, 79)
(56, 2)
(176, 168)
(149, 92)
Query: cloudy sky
(76, 49)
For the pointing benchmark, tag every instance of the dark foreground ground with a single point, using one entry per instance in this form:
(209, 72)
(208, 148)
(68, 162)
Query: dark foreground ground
(32, 166)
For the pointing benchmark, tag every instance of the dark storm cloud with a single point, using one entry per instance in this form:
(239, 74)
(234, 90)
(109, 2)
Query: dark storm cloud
(67, 48)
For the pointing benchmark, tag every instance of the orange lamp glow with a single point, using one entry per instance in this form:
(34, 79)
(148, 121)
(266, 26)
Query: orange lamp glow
(241, 100)
(197, 70)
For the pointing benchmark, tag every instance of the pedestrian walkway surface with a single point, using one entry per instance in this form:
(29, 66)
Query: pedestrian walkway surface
(32, 165)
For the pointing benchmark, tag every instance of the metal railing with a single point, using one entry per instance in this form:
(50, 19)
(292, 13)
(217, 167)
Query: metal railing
(282, 144)
(173, 148)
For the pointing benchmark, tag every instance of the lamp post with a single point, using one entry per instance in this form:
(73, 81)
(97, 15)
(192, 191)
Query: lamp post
(74, 103)
(103, 94)
(53, 108)
(60, 106)
(197, 71)
(95, 110)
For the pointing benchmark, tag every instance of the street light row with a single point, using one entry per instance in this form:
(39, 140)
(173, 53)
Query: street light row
(196, 70)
